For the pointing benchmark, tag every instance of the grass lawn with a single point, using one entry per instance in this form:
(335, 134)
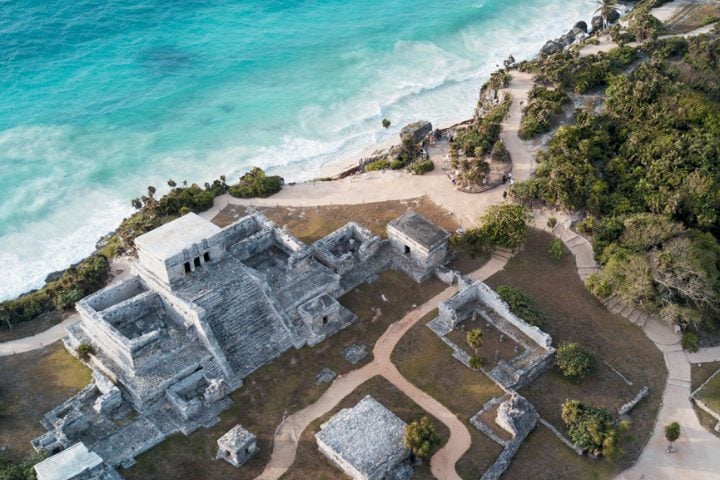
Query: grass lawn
(427, 362)
(31, 384)
(310, 463)
(285, 386)
(33, 327)
(575, 315)
(710, 394)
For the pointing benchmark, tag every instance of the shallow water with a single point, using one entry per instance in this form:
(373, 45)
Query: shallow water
(101, 98)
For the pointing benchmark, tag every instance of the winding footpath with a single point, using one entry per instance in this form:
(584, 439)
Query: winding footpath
(443, 462)
(697, 449)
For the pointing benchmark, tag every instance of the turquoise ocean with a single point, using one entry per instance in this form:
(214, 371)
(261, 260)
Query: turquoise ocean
(100, 98)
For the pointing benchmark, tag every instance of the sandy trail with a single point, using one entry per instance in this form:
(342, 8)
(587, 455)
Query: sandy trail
(443, 462)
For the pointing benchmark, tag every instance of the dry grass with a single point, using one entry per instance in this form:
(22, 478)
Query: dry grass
(30, 385)
(575, 315)
(309, 463)
(428, 363)
(699, 374)
(693, 16)
(32, 327)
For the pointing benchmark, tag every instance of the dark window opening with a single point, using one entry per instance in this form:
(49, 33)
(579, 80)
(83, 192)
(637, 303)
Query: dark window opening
(197, 262)
(247, 450)
(207, 256)
(407, 250)
(325, 320)
(187, 267)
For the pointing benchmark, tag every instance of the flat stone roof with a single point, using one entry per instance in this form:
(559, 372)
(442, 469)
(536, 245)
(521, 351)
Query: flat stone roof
(68, 464)
(236, 438)
(172, 238)
(420, 229)
(366, 436)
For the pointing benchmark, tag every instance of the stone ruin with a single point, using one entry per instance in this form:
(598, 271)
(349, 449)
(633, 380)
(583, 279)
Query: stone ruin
(366, 442)
(205, 307)
(237, 446)
(479, 300)
(515, 417)
(75, 463)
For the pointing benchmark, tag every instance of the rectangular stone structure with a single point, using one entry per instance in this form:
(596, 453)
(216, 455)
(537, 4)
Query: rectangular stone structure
(365, 441)
(237, 446)
(416, 237)
(75, 463)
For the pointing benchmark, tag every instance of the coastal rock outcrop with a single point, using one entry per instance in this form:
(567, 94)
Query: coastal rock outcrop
(576, 34)
(416, 132)
(597, 22)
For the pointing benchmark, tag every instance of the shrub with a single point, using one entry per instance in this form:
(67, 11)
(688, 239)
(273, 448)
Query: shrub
(557, 249)
(397, 164)
(598, 286)
(476, 362)
(591, 428)
(690, 342)
(672, 431)
(66, 299)
(502, 226)
(256, 184)
(552, 221)
(422, 167)
(521, 305)
(420, 437)
(84, 351)
(475, 338)
(543, 104)
(377, 165)
(386, 123)
(499, 152)
(574, 360)
(21, 471)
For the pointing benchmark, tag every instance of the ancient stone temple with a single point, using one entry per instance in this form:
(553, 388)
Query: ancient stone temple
(416, 237)
(205, 307)
(75, 463)
(237, 446)
(365, 441)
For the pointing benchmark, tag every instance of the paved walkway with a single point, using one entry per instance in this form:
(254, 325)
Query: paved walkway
(443, 462)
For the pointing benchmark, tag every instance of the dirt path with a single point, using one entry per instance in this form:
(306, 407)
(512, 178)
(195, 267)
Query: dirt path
(443, 462)
(520, 151)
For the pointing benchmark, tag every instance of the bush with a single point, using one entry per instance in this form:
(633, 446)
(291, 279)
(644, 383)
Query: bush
(672, 431)
(84, 351)
(397, 164)
(503, 226)
(543, 104)
(499, 152)
(422, 167)
(476, 362)
(557, 249)
(597, 286)
(377, 165)
(690, 342)
(591, 428)
(574, 360)
(256, 184)
(23, 470)
(521, 305)
(420, 437)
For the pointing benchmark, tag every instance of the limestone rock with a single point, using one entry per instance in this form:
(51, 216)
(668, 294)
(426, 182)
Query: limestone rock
(416, 132)
(597, 22)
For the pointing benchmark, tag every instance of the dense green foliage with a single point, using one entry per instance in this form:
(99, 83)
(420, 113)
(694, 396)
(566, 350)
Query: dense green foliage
(256, 183)
(672, 431)
(420, 437)
(84, 351)
(574, 360)
(521, 305)
(503, 226)
(556, 250)
(422, 166)
(645, 171)
(690, 342)
(542, 104)
(499, 152)
(476, 362)
(591, 428)
(20, 471)
(475, 339)
(76, 282)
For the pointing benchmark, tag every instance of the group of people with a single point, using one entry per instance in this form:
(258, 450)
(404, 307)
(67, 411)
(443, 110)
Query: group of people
(507, 178)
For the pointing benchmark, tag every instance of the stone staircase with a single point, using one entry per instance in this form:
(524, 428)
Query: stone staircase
(502, 254)
(630, 313)
(245, 325)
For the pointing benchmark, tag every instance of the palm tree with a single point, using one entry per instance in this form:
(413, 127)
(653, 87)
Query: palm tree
(606, 7)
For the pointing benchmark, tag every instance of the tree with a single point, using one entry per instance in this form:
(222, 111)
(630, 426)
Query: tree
(256, 183)
(84, 350)
(476, 362)
(420, 437)
(605, 9)
(386, 123)
(475, 338)
(151, 191)
(574, 360)
(136, 203)
(171, 183)
(672, 433)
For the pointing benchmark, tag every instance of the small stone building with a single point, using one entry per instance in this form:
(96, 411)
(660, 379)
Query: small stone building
(416, 237)
(364, 441)
(75, 463)
(237, 446)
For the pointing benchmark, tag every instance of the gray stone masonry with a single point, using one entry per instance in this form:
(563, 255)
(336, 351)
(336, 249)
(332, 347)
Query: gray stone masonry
(364, 441)
(414, 236)
(237, 446)
(205, 307)
(75, 463)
